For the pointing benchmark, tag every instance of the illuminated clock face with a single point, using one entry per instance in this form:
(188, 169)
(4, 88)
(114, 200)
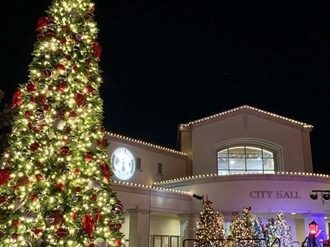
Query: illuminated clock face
(123, 163)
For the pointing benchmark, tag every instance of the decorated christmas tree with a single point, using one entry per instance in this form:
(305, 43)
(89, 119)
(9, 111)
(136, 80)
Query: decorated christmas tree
(283, 230)
(246, 229)
(258, 232)
(210, 226)
(235, 228)
(55, 175)
(271, 231)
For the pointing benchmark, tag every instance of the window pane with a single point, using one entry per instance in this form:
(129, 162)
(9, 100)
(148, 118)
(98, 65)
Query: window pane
(267, 154)
(223, 153)
(159, 168)
(220, 172)
(237, 152)
(237, 164)
(236, 171)
(245, 159)
(138, 163)
(253, 152)
(254, 164)
(223, 163)
(269, 164)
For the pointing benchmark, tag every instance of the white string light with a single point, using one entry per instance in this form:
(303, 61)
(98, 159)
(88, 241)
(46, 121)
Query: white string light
(202, 176)
(145, 143)
(304, 125)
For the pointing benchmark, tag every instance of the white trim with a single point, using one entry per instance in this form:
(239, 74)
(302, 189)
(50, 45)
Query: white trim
(247, 107)
(246, 141)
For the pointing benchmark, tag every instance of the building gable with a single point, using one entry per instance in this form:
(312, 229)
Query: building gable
(248, 110)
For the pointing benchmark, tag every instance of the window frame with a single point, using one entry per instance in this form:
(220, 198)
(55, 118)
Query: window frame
(228, 169)
(159, 168)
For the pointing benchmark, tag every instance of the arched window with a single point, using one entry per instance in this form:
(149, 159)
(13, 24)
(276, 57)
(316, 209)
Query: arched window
(238, 159)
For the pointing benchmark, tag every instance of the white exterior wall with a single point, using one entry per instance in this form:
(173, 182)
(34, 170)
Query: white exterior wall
(266, 194)
(173, 165)
(160, 212)
(208, 138)
(164, 225)
(147, 208)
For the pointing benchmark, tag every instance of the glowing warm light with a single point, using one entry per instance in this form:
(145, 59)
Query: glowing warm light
(313, 228)
(145, 143)
(56, 177)
(151, 187)
(304, 125)
(123, 163)
(209, 176)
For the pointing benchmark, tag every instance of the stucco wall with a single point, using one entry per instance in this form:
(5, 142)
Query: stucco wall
(264, 193)
(164, 225)
(208, 138)
(173, 165)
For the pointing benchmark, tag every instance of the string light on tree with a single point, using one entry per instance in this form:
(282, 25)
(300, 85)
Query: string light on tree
(246, 229)
(55, 180)
(210, 225)
(283, 231)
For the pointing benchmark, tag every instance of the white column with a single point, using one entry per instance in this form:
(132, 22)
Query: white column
(139, 227)
(186, 228)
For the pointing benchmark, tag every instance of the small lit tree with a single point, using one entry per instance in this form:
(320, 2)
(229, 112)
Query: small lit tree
(235, 229)
(258, 232)
(271, 231)
(283, 231)
(247, 227)
(210, 226)
(247, 230)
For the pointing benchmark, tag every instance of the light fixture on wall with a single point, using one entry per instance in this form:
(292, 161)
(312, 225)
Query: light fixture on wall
(324, 195)
(313, 195)
(198, 197)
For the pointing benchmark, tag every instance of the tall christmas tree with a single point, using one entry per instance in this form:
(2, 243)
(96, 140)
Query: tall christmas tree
(210, 226)
(283, 230)
(55, 175)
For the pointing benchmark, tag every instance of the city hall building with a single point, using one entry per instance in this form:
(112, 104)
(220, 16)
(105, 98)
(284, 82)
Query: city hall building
(241, 157)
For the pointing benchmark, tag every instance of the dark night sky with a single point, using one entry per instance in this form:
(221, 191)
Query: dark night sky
(169, 62)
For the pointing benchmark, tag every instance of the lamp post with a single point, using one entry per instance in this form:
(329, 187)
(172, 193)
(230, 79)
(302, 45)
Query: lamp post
(313, 228)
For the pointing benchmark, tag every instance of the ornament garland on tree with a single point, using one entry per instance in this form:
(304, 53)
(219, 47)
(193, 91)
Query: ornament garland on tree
(55, 175)
(283, 231)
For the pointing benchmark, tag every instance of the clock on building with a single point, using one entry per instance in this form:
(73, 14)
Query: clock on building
(123, 163)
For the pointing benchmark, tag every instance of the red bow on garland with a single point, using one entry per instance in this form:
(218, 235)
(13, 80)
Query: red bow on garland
(105, 169)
